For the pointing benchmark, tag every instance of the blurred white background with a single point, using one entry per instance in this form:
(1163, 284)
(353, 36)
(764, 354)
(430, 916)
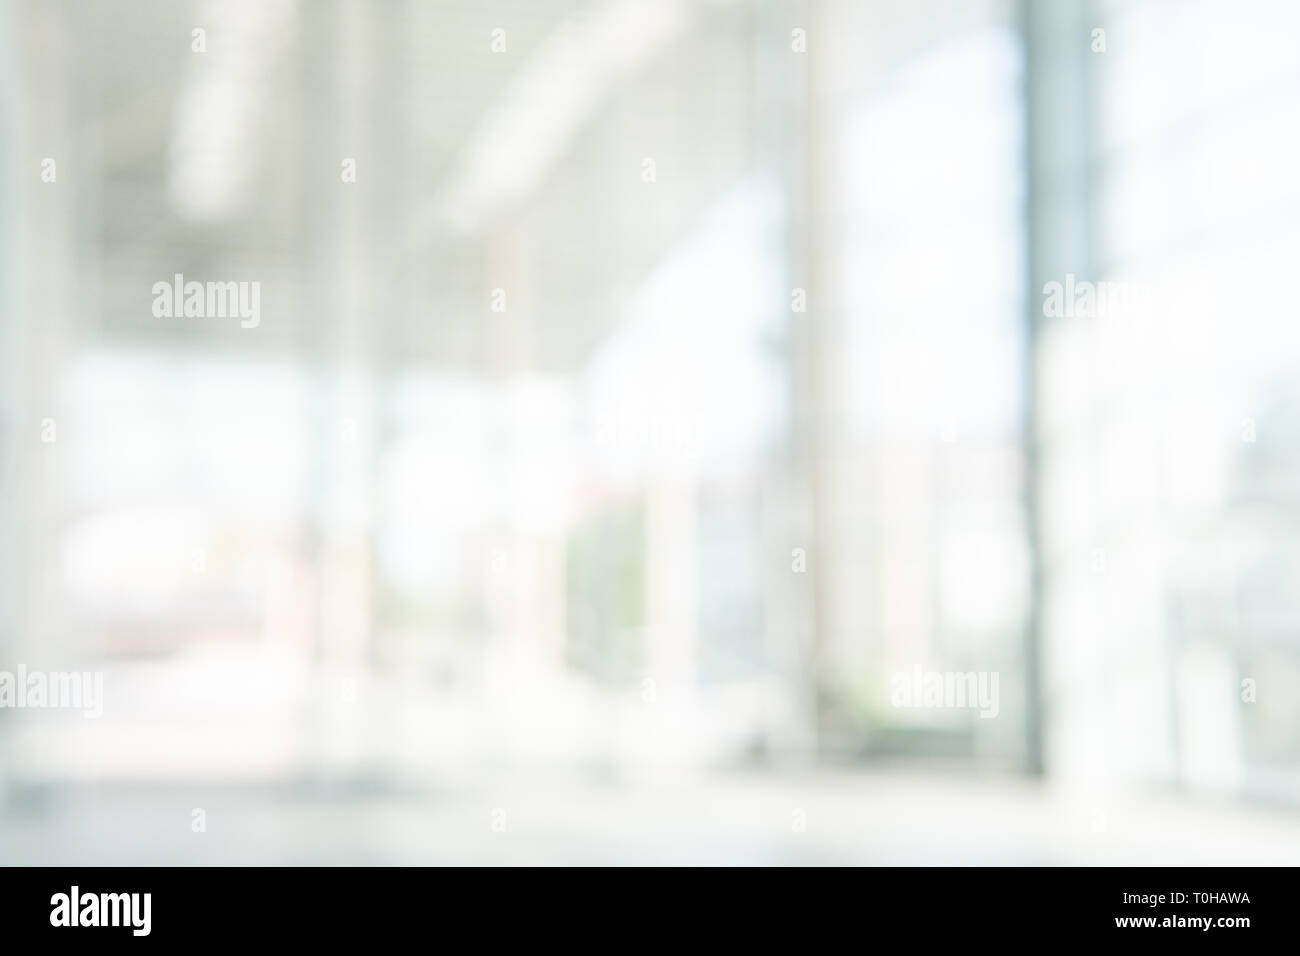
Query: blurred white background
(670, 375)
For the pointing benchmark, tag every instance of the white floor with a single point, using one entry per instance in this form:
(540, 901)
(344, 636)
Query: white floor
(810, 817)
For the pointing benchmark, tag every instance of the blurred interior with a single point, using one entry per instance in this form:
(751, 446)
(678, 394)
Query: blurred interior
(484, 545)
